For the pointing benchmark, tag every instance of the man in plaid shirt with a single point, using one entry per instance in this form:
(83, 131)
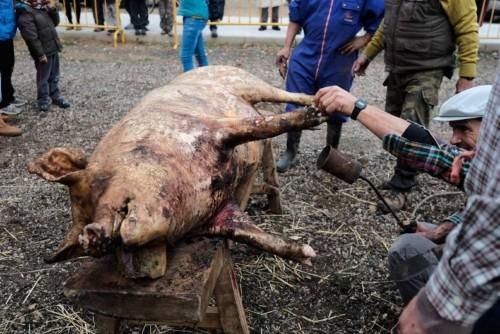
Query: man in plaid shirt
(466, 283)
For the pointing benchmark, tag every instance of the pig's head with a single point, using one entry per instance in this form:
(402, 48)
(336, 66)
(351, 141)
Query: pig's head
(125, 205)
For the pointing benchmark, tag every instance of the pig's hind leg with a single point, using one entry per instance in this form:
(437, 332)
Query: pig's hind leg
(232, 223)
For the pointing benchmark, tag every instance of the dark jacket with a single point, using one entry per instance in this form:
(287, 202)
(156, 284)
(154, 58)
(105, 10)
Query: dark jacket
(38, 28)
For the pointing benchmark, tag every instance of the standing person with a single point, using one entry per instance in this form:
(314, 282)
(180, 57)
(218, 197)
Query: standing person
(139, 16)
(215, 13)
(37, 23)
(98, 14)
(325, 55)
(194, 17)
(264, 13)
(68, 9)
(7, 33)
(166, 16)
(419, 39)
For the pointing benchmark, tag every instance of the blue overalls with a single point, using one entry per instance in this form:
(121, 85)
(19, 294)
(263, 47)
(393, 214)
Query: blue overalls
(328, 25)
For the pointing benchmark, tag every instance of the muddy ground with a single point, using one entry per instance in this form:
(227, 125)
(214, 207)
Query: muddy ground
(345, 291)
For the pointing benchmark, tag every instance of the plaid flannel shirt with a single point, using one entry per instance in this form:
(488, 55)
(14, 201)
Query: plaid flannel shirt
(435, 160)
(467, 280)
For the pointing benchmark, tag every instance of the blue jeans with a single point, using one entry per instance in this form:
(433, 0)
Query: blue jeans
(192, 43)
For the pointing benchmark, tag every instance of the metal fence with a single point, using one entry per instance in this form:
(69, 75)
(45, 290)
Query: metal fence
(100, 15)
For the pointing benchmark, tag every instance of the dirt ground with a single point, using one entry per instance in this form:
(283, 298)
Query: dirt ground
(346, 290)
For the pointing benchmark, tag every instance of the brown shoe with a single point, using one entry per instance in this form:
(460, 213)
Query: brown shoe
(7, 130)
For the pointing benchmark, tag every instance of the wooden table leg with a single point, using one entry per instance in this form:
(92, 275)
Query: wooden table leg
(270, 177)
(106, 325)
(228, 298)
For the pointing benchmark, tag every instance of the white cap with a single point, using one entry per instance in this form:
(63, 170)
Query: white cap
(468, 104)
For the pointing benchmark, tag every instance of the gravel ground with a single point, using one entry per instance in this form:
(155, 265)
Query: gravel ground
(347, 289)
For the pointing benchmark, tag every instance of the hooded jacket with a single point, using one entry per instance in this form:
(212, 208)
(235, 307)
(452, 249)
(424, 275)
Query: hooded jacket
(38, 28)
(7, 20)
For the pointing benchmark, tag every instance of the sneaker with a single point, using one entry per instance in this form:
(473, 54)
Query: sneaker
(70, 28)
(98, 29)
(395, 199)
(214, 34)
(262, 28)
(11, 110)
(129, 26)
(61, 103)
(276, 28)
(143, 32)
(138, 32)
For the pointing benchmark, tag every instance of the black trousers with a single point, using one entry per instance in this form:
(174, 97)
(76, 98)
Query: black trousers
(78, 9)
(98, 11)
(6, 69)
(138, 13)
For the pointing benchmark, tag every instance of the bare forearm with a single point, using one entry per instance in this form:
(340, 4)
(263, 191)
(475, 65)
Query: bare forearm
(382, 123)
(292, 31)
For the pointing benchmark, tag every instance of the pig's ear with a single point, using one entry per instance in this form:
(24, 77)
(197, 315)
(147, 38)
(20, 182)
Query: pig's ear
(59, 165)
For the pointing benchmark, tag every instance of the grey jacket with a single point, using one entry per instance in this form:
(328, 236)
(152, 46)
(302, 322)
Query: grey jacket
(37, 27)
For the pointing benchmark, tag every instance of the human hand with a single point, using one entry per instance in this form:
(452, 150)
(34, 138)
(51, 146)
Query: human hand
(356, 43)
(334, 99)
(359, 66)
(437, 235)
(43, 59)
(463, 84)
(409, 322)
(282, 61)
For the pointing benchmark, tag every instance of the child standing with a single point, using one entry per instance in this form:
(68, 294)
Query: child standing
(195, 18)
(37, 20)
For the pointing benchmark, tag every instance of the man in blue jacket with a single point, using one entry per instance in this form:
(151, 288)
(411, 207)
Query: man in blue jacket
(325, 55)
(8, 104)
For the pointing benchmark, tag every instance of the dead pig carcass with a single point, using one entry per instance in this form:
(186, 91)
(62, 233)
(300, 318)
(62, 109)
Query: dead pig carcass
(173, 166)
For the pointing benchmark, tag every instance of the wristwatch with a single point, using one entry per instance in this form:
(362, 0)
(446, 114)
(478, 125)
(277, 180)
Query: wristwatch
(359, 105)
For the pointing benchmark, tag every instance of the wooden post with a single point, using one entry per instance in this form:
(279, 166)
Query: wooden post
(270, 177)
(228, 298)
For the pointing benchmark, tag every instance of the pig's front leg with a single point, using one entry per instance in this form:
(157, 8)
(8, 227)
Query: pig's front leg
(232, 223)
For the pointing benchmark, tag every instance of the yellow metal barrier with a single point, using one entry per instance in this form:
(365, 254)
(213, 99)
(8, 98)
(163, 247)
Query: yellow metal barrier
(100, 15)
(245, 13)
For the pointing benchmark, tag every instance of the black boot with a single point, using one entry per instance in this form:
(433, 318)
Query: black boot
(287, 160)
(333, 133)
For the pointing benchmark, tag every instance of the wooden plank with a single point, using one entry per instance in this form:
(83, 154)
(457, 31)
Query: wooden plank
(245, 188)
(227, 296)
(149, 261)
(180, 297)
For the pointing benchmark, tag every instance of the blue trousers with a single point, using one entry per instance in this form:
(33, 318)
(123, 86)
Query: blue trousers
(192, 43)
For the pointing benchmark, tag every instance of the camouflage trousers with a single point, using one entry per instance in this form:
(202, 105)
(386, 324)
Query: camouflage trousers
(412, 96)
(166, 15)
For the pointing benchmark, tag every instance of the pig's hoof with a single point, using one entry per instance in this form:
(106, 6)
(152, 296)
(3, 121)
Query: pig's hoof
(307, 254)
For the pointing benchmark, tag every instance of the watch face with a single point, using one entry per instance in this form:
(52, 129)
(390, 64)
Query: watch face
(361, 104)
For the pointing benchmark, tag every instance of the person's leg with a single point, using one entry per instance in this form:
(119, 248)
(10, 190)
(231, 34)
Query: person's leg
(7, 60)
(42, 84)
(264, 16)
(200, 53)
(298, 80)
(275, 17)
(78, 10)
(143, 14)
(162, 9)
(67, 8)
(412, 259)
(53, 80)
(134, 13)
(189, 33)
